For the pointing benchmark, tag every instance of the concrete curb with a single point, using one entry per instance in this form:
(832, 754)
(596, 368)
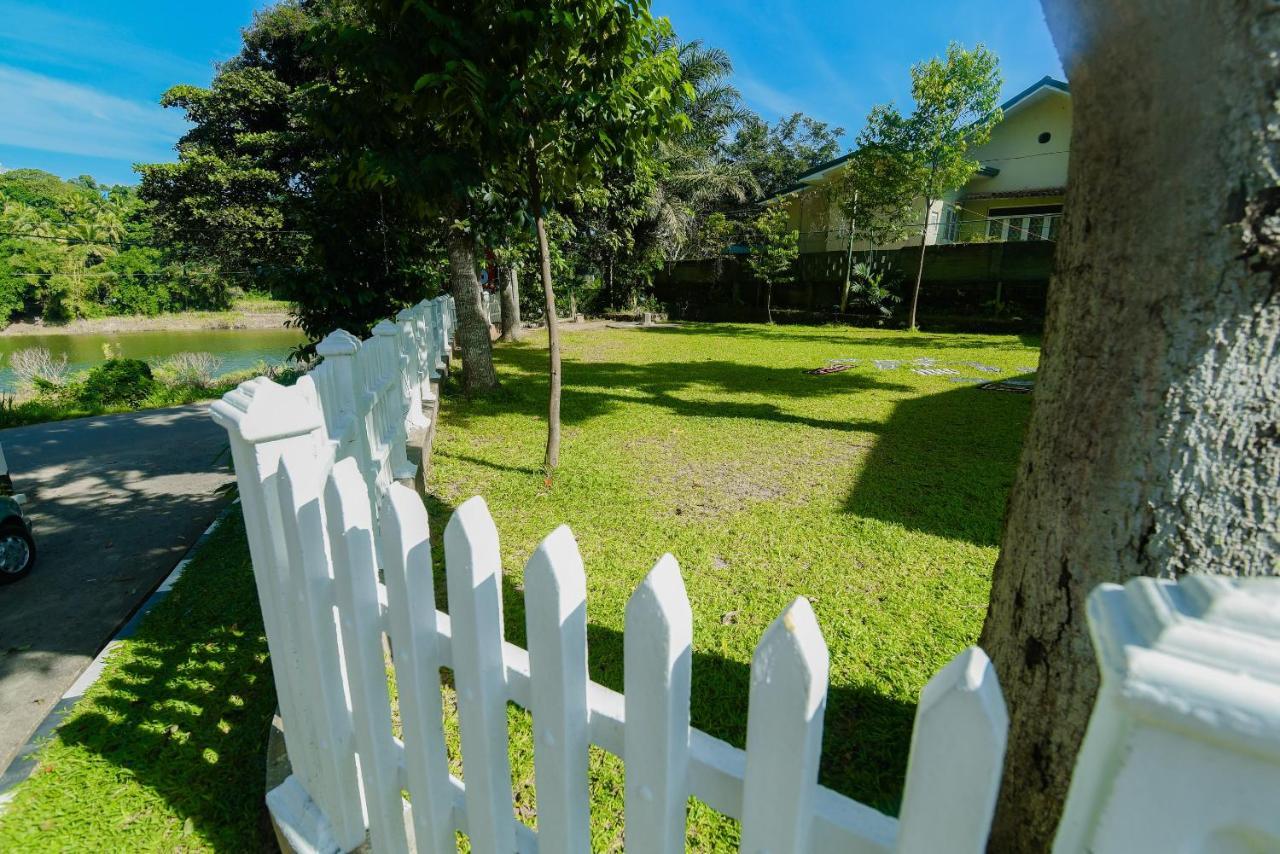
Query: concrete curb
(27, 757)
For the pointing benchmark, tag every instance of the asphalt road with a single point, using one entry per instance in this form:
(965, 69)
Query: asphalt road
(115, 502)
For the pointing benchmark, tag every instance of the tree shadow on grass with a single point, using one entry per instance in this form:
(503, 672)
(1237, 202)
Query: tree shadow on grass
(593, 389)
(866, 734)
(944, 463)
(845, 336)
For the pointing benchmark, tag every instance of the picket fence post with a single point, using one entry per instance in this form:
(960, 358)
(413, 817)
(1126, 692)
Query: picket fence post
(555, 596)
(473, 569)
(261, 418)
(351, 543)
(311, 582)
(411, 370)
(393, 391)
(411, 601)
(956, 759)
(784, 732)
(657, 651)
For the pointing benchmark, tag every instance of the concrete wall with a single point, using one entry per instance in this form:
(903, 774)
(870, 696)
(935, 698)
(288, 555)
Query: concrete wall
(961, 284)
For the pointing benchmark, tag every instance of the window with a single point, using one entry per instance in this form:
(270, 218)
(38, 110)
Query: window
(1045, 137)
(1028, 222)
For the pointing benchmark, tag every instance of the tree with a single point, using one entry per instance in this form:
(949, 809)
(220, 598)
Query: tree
(775, 247)
(387, 109)
(875, 191)
(1152, 444)
(956, 106)
(779, 154)
(695, 176)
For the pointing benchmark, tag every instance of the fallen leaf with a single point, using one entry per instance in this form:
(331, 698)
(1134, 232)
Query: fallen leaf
(729, 618)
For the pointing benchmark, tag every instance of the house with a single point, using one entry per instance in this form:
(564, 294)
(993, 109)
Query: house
(1016, 194)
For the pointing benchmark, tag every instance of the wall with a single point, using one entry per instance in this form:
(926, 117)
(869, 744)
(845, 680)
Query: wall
(961, 281)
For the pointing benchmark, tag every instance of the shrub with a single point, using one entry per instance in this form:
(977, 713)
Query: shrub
(36, 367)
(118, 381)
(189, 369)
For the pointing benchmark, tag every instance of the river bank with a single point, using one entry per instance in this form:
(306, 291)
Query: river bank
(246, 314)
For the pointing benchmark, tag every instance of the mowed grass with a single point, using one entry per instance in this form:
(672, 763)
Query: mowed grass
(877, 494)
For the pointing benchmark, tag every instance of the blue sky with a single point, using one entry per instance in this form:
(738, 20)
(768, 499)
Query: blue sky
(80, 79)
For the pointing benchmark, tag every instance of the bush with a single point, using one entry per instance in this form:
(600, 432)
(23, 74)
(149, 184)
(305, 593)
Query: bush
(35, 366)
(118, 381)
(189, 369)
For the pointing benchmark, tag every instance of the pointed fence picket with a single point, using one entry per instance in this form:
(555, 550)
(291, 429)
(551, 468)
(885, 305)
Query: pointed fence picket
(317, 466)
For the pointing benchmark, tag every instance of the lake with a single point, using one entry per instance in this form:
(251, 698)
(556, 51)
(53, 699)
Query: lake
(237, 348)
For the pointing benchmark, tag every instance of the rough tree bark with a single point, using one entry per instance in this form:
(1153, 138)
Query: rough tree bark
(552, 457)
(1153, 446)
(473, 327)
(510, 296)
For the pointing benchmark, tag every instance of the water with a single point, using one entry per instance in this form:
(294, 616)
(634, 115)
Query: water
(237, 348)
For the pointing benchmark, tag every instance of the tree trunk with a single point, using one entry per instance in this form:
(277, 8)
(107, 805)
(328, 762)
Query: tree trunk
(510, 296)
(768, 301)
(573, 308)
(848, 262)
(1152, 447)
(924, 240)
(473, 327)
(552, 458)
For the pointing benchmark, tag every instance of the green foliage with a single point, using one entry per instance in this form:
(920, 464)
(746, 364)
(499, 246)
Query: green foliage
(73, 249)
(118, 381)
(927, 153)
(775, 245)
(871, 281)
(259, 194)
(778, 154)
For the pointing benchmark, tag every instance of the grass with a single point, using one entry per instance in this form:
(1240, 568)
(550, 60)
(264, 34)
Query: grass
(877, 494)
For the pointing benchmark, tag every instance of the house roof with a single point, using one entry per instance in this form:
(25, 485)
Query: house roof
(1041, 88)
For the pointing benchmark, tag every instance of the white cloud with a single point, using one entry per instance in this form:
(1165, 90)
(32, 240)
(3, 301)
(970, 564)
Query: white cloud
(45, 113)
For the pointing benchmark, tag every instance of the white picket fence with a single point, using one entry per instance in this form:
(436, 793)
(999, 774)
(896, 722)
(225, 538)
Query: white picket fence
(342, 557)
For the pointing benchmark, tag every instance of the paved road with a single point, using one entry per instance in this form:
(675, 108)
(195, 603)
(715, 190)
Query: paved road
(115, 502)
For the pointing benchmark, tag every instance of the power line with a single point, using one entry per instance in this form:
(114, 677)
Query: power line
(1022, 156)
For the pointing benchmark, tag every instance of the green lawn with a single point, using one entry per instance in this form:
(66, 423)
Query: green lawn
(877, 494)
